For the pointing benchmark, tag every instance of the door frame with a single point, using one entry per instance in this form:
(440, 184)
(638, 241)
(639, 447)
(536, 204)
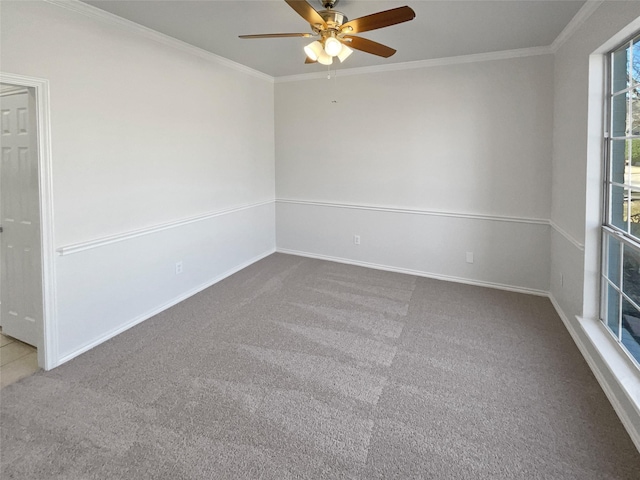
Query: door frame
(47, 343)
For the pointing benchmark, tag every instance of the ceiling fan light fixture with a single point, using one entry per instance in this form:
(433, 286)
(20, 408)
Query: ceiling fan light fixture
(332, 46)
(334, 30)
(314, 50)
(325, 59)
(344, 53)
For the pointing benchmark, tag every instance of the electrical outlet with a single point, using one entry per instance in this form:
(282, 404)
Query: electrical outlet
(561, 279)
(179, 268)
(469, 257)
(356, 239)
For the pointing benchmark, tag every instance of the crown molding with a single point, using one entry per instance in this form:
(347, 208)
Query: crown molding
(434, 62)
(576, 22)
(93, 12)
(90, 11)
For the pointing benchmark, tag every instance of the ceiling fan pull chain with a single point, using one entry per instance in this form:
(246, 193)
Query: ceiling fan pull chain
(335, 87)
(335, 83)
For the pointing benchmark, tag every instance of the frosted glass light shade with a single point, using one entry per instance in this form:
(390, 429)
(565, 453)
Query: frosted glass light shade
(344, 53)
(332, 46)
(325, 59)
(314, 50)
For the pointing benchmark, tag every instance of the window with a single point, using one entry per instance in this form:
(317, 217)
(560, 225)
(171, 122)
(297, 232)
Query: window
(620, 306)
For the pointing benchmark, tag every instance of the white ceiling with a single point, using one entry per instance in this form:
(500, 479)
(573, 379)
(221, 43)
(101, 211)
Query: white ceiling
(441, 28)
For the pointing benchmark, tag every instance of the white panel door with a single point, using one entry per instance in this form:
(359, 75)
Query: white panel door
(21, 283)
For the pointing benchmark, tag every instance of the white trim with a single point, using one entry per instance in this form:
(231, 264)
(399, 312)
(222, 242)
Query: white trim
(114, 20)
(100, 242)
(434, 62)
(48, 346)
(615, 361)
(576, 22)
(567, 236)
(414, 211)
(93, 12)
(13, 91)
(417, 273)
(437, 213)
(165, 306)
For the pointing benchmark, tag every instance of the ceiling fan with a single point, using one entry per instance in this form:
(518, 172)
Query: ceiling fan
(335, 31)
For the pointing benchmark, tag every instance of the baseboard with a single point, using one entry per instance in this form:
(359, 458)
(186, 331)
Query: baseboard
(630, 420)
(417, 273)
(161, 308)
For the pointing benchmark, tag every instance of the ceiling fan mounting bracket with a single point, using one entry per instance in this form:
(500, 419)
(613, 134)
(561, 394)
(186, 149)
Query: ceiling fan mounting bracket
(328, 4)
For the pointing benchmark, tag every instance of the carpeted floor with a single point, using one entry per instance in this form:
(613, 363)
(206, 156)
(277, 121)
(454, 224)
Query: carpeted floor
(303, 369)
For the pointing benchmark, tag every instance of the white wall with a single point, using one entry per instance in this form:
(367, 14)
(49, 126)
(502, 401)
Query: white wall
(576, 205)
(143, 135)
(507, 254)
(470, 141)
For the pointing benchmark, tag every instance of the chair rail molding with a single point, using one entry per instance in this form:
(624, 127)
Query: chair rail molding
(566, 235)
(121, 237)
(415, 211)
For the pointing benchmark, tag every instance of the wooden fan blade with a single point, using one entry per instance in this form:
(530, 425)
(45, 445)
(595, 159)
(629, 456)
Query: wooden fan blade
(307, 12)
(369, 46)
(308, 60)
(277, 35)
(379, 20)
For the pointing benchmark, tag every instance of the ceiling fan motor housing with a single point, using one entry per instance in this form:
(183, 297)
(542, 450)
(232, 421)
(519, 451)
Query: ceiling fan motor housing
(333, 18)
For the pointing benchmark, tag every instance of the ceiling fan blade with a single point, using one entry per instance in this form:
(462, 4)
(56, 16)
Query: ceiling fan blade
(379, 20)
(369, 46)
(307, 12)
(308, 60)
(277, 35)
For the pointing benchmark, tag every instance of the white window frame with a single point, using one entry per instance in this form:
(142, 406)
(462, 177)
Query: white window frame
(609, 230)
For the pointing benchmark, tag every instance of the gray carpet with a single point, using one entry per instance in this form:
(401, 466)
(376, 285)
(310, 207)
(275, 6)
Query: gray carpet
(296, 368)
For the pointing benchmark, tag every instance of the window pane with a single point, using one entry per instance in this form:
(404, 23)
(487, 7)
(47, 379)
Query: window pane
(635, 70)
(618, 160)
(619, 104)
(634, 227)
(632, 151)
(613, 259)
(618, 207)
(620, 65)
(613, 310)
(620, 309)
(631, 273)
(631, 329)
(635, 112)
